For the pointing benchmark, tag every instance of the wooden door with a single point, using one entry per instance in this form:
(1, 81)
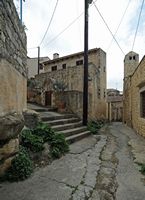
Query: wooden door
(48, 95)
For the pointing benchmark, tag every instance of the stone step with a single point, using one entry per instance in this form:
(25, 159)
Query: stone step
(45, 118)
(66, 126)
(62, 121)
(45, 109)
(40, 109)
(73, 131)
(77, 137)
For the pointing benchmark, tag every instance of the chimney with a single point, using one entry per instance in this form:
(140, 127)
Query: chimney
(55, 55)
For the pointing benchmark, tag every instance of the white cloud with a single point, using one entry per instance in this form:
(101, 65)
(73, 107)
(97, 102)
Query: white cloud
(36, 15)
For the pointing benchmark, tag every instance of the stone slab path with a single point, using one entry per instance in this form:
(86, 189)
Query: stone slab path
(96, 168)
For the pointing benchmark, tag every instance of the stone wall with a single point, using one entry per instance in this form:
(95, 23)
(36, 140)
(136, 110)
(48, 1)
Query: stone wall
(72, 77)
(13, 57)
(73, 102)
(132, 101)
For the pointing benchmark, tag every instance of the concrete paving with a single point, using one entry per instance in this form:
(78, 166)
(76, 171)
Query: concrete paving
(96, 168)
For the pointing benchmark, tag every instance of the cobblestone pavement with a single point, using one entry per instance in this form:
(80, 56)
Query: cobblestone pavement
(96, 168)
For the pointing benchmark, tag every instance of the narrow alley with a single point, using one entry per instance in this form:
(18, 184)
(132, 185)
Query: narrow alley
(98, 167)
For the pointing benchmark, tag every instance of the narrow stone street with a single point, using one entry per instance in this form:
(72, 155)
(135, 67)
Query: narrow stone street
(98, 167)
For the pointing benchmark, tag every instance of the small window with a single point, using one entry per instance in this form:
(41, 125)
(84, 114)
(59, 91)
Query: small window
(104, 69)
(104, 93)
(79, 62)
(130, 57)
(63, 66)
(142, 104)
(133, 57)
(54, 68)
(40, 66)
(99, 93)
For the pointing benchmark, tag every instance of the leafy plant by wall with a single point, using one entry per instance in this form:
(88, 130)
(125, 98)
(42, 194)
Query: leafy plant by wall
(59, 145)
(31, 141)
(44, 131)
(34, 140)
(21, 167)
(94, 126)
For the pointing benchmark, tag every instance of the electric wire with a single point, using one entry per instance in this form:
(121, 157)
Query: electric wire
(67, 27)
(32, 48)
(119, 24)
(137, 24)
(108, 27)
(60, 33)
(49, 22)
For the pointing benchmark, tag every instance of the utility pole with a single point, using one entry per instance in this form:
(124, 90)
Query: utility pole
(21, 10)
(85, 89)
(38, 59)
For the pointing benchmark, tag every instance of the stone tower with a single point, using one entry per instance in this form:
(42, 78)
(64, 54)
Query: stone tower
(131, 61)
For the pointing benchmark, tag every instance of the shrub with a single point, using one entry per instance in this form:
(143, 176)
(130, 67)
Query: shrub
(44, 131)
(142, 169)
(94, 126)
(34, 140)
(21, 167)
(58, 146)
(31, 141)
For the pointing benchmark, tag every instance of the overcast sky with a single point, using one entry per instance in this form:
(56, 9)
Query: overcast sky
(37, 15)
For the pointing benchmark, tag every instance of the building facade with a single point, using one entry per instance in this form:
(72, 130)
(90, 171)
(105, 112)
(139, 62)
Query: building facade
(114, 105)
(68, 71)
(32, 66)
(134, 97)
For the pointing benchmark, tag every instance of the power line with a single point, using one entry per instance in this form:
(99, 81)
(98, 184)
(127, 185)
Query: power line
(119, 23)
(32, 48)
(49, 23)
(60, 33)
(67, 27)
(108, 27)
(137, 25)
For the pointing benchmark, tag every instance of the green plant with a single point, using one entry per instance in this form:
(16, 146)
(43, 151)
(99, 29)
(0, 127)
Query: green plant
(34, 140)
(142, 168)
(59, 145)
(31, 141)
(59, 86)
(94, 126)
(21, 167)
(44, 131)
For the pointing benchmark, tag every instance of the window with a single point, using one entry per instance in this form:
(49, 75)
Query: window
(104, 93)
(63, 66)
(104, 69)
(130, 57)
(99, 93)
(142, 104)
(79, 62)
(54, 68)
(133, 57)
(40, 66)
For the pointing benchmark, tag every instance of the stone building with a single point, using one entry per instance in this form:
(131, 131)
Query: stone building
(32, 66)
(134, 93)
(68, 70)
(114, 105)
(13, 73)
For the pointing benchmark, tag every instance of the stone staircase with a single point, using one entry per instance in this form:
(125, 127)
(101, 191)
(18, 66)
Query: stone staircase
(68, 124)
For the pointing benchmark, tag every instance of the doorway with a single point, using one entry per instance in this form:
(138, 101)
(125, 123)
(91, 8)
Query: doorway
(48, 95)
